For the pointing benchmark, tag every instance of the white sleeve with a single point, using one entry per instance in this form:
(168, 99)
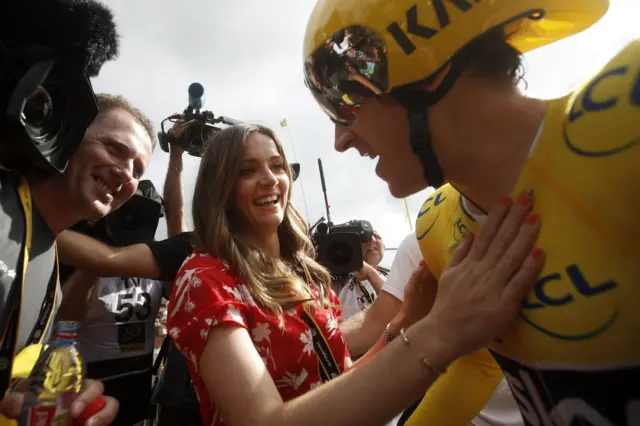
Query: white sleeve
(406, 261)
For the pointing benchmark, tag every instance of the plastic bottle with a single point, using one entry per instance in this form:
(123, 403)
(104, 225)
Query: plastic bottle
(56, 379)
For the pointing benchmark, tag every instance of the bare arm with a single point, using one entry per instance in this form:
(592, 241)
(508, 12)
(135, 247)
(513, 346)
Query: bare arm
(363, 329)
(97, 258)
(238, 381)
(77, 292)
(174, 194)
(376, 279)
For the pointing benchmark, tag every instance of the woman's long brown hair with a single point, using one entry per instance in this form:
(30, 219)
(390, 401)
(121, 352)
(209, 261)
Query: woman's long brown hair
(276, 284)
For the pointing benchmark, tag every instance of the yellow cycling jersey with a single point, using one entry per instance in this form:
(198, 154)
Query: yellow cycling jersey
(573, 357)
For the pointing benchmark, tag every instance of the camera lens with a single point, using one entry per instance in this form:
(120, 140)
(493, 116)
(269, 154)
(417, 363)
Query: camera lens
(128, 221)
(339, 253)
(38, 115)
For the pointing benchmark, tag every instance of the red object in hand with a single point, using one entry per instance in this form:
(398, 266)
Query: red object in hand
(92, 408)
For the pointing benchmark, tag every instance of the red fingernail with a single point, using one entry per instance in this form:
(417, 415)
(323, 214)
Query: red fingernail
(505, 200)
(537, 253)
(531, 218)
(525, 199)
(422, 262)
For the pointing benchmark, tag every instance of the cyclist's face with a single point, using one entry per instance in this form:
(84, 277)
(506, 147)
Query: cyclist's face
(381, 130)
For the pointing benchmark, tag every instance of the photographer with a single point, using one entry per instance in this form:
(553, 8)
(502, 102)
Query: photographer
(67, 157)
(362, 330)
(359, 290)
(118, 314)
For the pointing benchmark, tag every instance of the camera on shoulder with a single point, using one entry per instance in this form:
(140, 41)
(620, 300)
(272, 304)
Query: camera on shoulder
(48, 52)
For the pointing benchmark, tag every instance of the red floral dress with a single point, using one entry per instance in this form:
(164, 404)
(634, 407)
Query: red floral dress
(207, 294)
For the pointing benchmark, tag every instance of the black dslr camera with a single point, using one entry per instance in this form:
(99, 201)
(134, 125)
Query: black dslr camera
(339, 247)
(135, 222)
(48, 51)
(201, 129)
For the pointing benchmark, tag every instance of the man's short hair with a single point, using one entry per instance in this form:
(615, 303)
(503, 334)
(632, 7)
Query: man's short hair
(108, 102)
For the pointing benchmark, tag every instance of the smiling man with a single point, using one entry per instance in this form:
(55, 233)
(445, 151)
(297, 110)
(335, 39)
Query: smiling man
(101, 175)
(441, 105)
(105, 170)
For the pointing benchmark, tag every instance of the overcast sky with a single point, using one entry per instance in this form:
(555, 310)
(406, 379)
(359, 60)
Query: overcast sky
(248, 56)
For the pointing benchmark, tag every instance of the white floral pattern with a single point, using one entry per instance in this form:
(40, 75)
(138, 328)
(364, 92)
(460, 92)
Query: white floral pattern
(291, 380)
(234, 314)
(307, 338)
(332, 323)
(261, 332)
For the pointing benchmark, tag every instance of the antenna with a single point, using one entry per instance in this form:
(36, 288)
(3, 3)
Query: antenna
(324, 191)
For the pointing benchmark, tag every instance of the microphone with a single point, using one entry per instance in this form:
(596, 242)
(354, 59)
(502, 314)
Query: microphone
(80, 32)
(196, 96)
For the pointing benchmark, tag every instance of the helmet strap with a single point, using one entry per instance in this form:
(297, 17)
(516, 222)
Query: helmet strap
(417, 103)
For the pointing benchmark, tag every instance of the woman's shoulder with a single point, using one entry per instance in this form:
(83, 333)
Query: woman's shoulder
(201, 263)
(202, 258)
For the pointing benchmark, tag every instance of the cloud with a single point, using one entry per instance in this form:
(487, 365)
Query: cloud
(248, 56)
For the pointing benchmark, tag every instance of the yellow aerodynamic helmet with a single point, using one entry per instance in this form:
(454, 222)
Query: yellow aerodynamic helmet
(356, 48)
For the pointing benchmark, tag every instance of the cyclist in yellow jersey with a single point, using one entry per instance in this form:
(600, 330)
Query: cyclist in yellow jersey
(446, 109)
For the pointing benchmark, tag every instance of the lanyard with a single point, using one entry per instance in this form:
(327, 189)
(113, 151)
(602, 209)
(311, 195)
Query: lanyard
(10, 317)
(363, 289)
(327, 365)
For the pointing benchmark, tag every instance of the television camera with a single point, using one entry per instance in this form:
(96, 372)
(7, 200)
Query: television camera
(339, 247)
(48, 52)
(201, 128)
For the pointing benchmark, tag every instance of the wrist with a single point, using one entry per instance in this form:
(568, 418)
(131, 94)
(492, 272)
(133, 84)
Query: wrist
(437, 348)
(397, 324)
(176, 155)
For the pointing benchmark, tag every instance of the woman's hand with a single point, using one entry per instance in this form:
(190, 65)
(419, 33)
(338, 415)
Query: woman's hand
(480, 292)
(419, 295)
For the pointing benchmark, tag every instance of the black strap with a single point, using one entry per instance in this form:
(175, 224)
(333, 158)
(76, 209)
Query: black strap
(363, 289)
(162, 354)
(327, 365)
(417, 103)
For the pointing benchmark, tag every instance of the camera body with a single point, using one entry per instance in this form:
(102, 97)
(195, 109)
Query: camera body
(339, 247)
(201, 128)
(133, 223)
(195, 136)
